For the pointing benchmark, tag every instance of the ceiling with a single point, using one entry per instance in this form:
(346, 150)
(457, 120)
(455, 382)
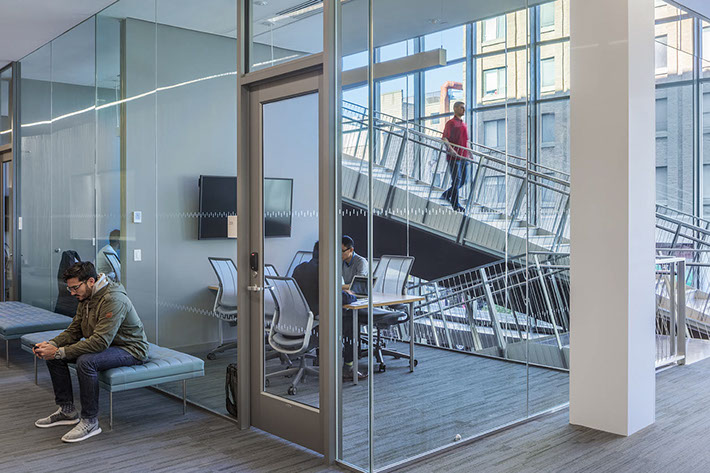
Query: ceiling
(25, 25)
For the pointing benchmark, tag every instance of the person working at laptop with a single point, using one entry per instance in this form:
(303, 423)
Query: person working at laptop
(353, 263)
(306, 276)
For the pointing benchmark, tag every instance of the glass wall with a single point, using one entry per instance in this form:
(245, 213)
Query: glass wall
(283, 31)
(468, 231)
(121, 116)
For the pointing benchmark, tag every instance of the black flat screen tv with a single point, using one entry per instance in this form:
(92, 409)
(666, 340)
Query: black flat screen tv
(218, 201)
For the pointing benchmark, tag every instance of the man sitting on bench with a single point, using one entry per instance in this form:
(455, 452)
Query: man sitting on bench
(112, 335)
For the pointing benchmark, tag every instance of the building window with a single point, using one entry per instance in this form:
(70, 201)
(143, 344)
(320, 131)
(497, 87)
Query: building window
(661, 54)
(547, 73)
(494, 134)
(494, 29)
(706, 43)
(706, 111)
(494, 83)
(662, 184)
(547, 16)
(661, 115)
(548, 129)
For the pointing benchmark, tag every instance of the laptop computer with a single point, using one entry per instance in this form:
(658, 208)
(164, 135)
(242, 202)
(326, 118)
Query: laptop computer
(358, 286)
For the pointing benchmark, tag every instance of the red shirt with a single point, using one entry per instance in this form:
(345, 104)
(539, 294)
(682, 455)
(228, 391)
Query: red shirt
(456, 133)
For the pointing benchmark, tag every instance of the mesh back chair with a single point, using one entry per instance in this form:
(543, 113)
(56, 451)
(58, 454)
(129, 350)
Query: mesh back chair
(115, 265)
(298, 258)
(225, 304)
(392, 273)
(292, 329)
(269, 302)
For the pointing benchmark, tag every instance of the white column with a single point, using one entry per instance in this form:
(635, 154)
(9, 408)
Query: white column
(612, 137)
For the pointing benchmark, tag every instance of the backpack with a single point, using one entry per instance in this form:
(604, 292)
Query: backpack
(230, 388)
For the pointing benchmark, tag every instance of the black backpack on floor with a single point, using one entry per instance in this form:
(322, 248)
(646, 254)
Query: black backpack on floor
(230, 387)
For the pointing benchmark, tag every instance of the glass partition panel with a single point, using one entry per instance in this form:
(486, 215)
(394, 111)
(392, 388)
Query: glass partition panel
(35, 173)
(283, 31)
(354, 437)
(73, 144)
(475, 223)
(194, 188)
(125, 151)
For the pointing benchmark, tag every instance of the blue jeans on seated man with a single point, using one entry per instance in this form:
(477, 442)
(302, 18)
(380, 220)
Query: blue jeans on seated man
(88, 367)
(459, 171)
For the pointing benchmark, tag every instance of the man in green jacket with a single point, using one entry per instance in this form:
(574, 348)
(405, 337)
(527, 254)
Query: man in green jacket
(105, 333)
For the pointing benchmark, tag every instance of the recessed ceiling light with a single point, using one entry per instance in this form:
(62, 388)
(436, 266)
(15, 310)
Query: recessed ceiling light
(437, 21)
(261, 3)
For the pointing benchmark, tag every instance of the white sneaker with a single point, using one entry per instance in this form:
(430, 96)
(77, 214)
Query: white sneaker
(85, 429)
(58, 418)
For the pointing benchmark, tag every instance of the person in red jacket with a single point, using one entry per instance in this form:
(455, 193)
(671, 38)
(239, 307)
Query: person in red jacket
(456, 138)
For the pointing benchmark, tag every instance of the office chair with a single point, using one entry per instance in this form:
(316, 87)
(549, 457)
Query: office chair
(392, 273)
(115, 265)
(298, 258)
(225, 304)
(292, 329)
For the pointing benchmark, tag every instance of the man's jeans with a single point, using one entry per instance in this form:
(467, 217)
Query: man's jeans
(458, 170)
(87, 370)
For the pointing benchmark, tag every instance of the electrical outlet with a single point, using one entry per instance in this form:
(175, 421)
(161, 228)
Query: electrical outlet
(137, 255)
(137, 216)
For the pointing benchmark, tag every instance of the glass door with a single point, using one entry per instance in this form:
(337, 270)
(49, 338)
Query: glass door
(284, 271)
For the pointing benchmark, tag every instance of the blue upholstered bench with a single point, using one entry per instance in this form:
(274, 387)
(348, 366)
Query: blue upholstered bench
(164, 365)
(17, 319)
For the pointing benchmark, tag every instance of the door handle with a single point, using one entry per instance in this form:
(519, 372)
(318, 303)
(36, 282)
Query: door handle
(57, 250)
(255, 288)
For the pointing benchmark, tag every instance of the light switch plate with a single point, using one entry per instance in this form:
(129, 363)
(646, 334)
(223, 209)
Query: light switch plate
(137, 216)
(137, 255)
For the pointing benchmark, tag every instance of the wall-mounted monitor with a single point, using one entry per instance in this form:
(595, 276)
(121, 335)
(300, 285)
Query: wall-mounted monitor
(218, 201)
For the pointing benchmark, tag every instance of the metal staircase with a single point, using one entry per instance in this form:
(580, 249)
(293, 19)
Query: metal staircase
(409, 175)
(516, 308)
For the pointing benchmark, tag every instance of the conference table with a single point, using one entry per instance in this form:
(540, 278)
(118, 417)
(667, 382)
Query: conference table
(382, 300)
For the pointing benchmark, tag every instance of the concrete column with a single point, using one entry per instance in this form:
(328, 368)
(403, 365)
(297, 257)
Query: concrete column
(612, 138)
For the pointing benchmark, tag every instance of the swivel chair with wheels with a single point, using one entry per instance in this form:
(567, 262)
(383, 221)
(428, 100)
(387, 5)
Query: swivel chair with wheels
(392, 273)
(225, 304)
(292, 330)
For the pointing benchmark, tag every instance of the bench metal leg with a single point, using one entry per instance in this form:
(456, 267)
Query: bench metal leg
(184, 396)
(7, 352)
(110, 411)
(35, 358)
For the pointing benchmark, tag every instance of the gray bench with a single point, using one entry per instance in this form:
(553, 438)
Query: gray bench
(17, 319)
(164, 365)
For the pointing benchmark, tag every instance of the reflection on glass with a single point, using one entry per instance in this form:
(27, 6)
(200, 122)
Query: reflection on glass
(283, 31)
(290, 196)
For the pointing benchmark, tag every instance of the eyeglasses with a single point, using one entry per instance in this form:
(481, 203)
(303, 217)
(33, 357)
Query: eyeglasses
(346, 250)
(75, 288)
